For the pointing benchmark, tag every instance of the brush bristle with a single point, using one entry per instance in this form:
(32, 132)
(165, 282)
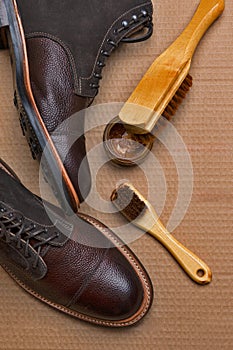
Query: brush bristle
(128, 202)
(178, 98)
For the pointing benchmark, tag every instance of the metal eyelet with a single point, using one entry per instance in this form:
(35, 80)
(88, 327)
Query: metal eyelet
(111, 42)
(98, 76)
(135, 18)
(100, 64)
(105, 53)
(144, 13)
(94, 86)
(125, 24)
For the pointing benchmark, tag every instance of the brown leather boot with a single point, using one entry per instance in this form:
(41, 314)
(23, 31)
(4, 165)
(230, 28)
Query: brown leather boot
(76, 266)
(59, 49)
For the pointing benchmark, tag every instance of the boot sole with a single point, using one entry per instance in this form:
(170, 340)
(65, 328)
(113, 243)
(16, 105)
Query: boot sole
(32, 125)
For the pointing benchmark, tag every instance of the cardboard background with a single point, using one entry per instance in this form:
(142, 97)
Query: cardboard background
(184, 315)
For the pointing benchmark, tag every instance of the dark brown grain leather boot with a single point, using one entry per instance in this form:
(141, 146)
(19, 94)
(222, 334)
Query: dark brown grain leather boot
(79, 267)
(58, 50)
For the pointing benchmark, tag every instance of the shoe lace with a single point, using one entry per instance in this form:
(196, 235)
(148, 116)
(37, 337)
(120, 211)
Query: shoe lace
(147, 23)
(13, 228)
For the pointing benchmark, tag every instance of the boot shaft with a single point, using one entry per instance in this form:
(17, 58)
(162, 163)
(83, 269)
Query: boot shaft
(87, 30)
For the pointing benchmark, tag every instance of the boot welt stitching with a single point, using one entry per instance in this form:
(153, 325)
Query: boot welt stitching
(68, 311)
(119, 244)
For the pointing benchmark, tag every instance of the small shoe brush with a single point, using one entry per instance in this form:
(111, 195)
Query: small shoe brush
(141, 213)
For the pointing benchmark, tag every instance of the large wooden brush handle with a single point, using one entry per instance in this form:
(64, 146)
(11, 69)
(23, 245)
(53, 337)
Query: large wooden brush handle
(192, 265)
(163, 79)
(207, 12)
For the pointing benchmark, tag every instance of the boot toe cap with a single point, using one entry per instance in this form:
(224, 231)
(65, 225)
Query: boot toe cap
(114, 293)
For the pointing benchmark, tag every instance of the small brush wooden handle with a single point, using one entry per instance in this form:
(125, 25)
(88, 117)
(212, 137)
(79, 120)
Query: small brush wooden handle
(192, 265)
(163, 79)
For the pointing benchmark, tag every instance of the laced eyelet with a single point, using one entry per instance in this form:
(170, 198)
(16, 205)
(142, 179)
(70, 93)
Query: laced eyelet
(23, 232)
(100, 64)
(105, 53)
(98, 76)
(94, 86)
(111, 42)
(125, 25)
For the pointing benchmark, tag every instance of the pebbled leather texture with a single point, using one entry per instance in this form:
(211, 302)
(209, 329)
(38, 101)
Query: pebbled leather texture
(86, 272)
(53, 90)
(83, 27)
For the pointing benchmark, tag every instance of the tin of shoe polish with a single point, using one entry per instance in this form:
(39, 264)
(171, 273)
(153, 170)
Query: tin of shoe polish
(125, 148)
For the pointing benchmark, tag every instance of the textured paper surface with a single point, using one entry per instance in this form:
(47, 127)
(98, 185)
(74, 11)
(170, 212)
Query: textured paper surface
(184, 315)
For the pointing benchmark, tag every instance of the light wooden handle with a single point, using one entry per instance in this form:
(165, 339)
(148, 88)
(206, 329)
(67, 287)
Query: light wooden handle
(162, 80)
(207, 12)
(192, 265)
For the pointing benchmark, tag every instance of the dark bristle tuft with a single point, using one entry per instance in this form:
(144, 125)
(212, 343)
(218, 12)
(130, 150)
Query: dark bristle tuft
(178, 98)
(128, 202)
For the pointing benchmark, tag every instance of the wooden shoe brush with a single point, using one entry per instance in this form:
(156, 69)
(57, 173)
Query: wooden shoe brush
(166, 83)
(141, 213)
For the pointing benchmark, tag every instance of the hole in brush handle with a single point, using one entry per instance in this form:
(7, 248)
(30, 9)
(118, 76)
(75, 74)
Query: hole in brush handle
(201, 273)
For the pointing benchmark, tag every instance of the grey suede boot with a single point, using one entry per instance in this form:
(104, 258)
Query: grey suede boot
(58, 50)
